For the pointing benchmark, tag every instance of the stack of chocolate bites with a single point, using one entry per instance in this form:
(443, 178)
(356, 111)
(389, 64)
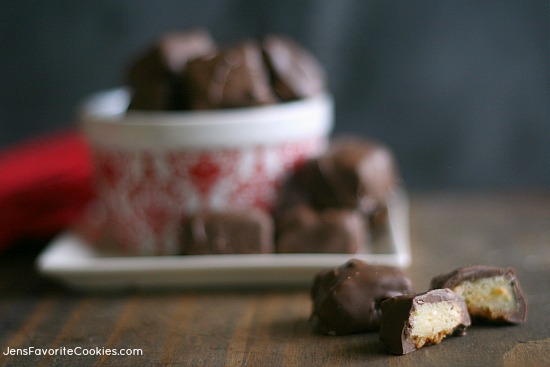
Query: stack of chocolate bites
(189, 71)
(331, 204)
(358, 297)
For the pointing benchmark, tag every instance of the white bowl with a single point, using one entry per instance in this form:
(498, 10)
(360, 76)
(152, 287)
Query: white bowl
(154, 167)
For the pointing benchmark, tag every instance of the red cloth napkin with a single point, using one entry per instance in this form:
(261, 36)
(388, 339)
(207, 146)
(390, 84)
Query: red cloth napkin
(45, 184)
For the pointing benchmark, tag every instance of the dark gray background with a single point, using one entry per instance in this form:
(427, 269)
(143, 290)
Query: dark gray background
(460, 90)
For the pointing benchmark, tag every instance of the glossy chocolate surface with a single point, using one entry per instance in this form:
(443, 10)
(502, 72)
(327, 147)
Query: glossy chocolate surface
(346, 300)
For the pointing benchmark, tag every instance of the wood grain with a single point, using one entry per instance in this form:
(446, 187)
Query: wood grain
(269, 327)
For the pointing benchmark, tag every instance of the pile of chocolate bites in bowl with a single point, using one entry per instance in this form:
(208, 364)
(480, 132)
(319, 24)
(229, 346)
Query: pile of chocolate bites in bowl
(330, 200)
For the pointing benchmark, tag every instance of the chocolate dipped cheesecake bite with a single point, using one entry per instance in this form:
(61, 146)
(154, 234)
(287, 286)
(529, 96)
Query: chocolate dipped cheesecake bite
(295, 73)
(229, 232)
(236, 77)
(346, 299)
(304, 230)
(491, 293)
(410, 322)
(155, 76)
(354, 173)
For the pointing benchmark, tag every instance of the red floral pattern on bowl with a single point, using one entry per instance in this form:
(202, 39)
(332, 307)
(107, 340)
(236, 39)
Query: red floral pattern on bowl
(149, 175)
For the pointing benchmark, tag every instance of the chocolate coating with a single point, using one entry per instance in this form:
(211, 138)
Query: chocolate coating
(353, 173)
(303, 230)
(453, 279)
(154, 76)
(396, 324)
(227, 233)
(295, 72)
(185, 70)
(346, 300)
(236, 77)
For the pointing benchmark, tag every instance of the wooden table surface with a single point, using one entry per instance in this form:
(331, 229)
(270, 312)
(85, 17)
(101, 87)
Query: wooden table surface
(269, 327)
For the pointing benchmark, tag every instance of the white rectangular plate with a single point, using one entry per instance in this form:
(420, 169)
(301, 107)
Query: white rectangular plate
(79, 264)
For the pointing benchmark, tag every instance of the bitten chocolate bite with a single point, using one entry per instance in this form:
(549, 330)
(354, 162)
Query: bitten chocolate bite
(410, 322)
(303, 230)
(233, 232)
(491, 293)
(346, 300)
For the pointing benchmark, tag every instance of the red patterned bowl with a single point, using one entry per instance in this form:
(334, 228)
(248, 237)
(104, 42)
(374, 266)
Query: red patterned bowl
(152, 168)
